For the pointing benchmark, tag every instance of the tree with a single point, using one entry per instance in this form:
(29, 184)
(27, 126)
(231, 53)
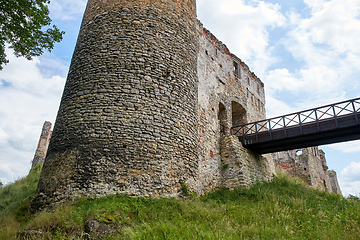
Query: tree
(22, 25)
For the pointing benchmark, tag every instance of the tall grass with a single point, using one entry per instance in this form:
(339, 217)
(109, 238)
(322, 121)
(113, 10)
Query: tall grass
(15, 201)
(19, 193)
(280, 209)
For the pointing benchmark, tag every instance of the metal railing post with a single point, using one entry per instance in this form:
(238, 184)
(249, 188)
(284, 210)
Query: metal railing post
(355, 112)
(336, 120)
(243, 135)
(257, 133)
(317, 121)
(301, 128)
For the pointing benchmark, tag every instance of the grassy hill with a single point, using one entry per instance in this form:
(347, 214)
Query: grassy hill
(281, 209)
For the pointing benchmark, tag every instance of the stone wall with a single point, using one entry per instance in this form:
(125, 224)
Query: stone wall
(127, 121)
(241, 167)
(226, 96)
(308, 164)
(335, 188)
(43, 144)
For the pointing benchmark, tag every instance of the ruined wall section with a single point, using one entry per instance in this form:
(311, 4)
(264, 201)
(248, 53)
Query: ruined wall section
(127, 121)
(309, 164)
(254, 89)
(284, 161)
(226, 96)
(241, 167)
(43, 144)
(335, 187)
(318, 168)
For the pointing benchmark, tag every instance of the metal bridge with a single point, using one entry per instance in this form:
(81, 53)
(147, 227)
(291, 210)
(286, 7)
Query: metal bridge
(339, 122)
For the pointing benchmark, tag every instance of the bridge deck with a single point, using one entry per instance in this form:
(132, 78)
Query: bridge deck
(334, 123)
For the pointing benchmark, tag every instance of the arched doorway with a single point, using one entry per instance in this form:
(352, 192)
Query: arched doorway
(238, 114)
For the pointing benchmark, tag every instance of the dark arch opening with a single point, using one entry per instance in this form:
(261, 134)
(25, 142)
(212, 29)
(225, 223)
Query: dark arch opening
(238, 114)
(222, 117)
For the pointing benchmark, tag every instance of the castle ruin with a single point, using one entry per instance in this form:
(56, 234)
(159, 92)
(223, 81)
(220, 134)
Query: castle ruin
(308, 164)
(43, 144)
(149, 102)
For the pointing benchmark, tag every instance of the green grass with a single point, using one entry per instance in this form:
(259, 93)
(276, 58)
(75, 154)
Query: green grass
(281, 209)
(15, 201)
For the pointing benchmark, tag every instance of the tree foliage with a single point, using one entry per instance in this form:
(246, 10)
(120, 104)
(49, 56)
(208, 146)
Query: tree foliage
(22, 25)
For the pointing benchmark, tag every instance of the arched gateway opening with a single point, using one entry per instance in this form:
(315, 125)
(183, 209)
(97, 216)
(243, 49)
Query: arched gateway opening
(238, 114)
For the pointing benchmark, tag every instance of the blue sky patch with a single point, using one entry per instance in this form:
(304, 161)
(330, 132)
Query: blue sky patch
(5, 83)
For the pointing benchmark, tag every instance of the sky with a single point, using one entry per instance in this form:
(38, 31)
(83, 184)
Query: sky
(306, 52)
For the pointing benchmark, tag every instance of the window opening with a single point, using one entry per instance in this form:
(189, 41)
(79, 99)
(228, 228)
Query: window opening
(237, 70)
(222, 118)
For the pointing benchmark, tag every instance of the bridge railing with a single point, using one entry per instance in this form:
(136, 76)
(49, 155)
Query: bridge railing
(304, 122)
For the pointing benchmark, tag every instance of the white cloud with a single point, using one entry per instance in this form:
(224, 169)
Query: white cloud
(315, 5)
(351, 172)
(275, 107)
(348, 187)
(349, 179)
(29, 79)
(66, 9)
(293, 18)
(26, 101)
(319, 79)
(332, 31)
(268, 13)
(303, 80)
(325, 46)
(347, 147)
(3, 137)
(281, 79)
(335, 24)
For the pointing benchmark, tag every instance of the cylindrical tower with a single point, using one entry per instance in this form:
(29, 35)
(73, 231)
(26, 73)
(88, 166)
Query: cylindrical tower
(127, 121)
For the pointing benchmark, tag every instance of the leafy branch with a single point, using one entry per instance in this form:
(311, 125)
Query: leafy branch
(22, 25)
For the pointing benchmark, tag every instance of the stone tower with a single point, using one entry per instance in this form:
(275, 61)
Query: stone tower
(127, 122)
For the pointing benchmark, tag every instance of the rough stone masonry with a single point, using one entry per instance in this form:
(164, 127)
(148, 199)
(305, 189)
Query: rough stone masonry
(127, 120)
(308, 164)
(149, 102)
(43, 144)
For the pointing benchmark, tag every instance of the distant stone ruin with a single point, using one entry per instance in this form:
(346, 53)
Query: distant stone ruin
(308, 164)
(43, 144)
